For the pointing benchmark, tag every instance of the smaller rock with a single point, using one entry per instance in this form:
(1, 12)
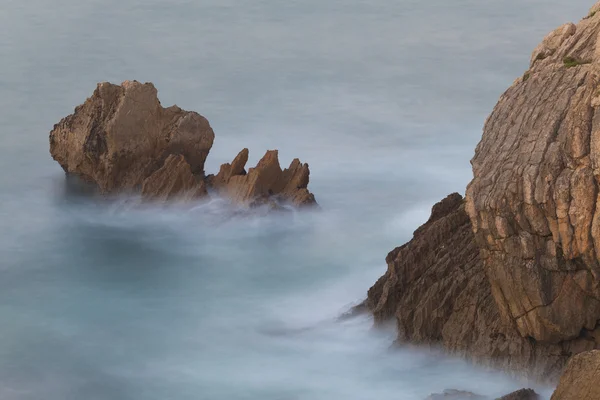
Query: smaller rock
(173, 180)
(453, 394)
(265, 183)
(581, 378)
(523, 394)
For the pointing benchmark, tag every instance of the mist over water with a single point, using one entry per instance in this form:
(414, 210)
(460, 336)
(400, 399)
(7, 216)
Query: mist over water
(106, 299)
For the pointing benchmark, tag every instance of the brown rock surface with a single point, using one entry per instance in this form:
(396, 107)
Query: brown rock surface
(581, 380)
(122, 139)
(174, 180)
(266, 180)
(122, 134)
(517, 281)
(436, 289)
(533, 200)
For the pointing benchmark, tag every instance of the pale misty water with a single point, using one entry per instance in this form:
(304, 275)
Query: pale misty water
(385, 100)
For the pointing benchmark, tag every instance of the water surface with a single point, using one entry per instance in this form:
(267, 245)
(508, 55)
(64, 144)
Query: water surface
(384, 99)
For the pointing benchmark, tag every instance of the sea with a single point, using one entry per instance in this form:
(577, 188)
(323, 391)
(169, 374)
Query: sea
(102, 298)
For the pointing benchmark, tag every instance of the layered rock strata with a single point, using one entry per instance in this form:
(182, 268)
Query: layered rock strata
(123, 140)
(511, 275)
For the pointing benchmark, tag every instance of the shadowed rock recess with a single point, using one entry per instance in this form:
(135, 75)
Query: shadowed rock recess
(511, 275)
(122, 139)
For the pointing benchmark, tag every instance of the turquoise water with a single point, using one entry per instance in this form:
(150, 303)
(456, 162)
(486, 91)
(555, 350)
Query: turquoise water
(385, 100)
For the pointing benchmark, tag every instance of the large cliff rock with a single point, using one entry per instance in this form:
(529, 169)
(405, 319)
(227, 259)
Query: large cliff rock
(581, 380)
(122, 139)
(436, 289)
(512, 276)
(533, 200)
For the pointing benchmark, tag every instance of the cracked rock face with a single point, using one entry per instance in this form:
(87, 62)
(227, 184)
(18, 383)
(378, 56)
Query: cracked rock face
(122, 139)
(437, 291)
(581, 378)
(534, 198)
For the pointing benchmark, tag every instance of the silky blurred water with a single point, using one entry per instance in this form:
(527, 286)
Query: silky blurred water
(104, 299)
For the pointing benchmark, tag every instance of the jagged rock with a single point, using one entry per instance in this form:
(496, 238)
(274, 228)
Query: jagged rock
(173, 180)
(122, 139)
(533, 200)
(122, 134)
(523, 394)
(264, 181)
(452, 394)
(581, 380)
(436, 289)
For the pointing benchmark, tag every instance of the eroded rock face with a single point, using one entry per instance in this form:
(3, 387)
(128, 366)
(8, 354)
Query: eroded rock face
(122, 139)
(174, 180)
(534, 200)
(437, 291)
(581, 380)
(122, 134)
(266, 180)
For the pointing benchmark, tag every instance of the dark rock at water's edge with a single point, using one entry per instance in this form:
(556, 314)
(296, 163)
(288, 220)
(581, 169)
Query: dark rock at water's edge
(511, 276)
(452, 394)
(123, 140)
(523, 394)
(437, 290)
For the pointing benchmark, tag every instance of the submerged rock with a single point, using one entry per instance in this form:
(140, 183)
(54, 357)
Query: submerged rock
(581, 380)
(452, 394)
(523, 394)
(122, 139)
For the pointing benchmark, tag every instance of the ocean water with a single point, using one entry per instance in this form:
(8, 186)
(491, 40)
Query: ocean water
(104, 299)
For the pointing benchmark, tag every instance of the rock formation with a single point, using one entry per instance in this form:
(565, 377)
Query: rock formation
(512, 276)
(264, 181)
(581, 380)
(451, 394)
(122, 139)
(533, 198)
(523, 394)
(437, 290)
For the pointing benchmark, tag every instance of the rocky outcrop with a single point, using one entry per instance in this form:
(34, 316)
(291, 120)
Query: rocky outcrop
(512, 276)
(265, 181)
(452, 394)
(122, 139)
(437, 291)
(533, 200)
(523, 394)
(581, 380)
